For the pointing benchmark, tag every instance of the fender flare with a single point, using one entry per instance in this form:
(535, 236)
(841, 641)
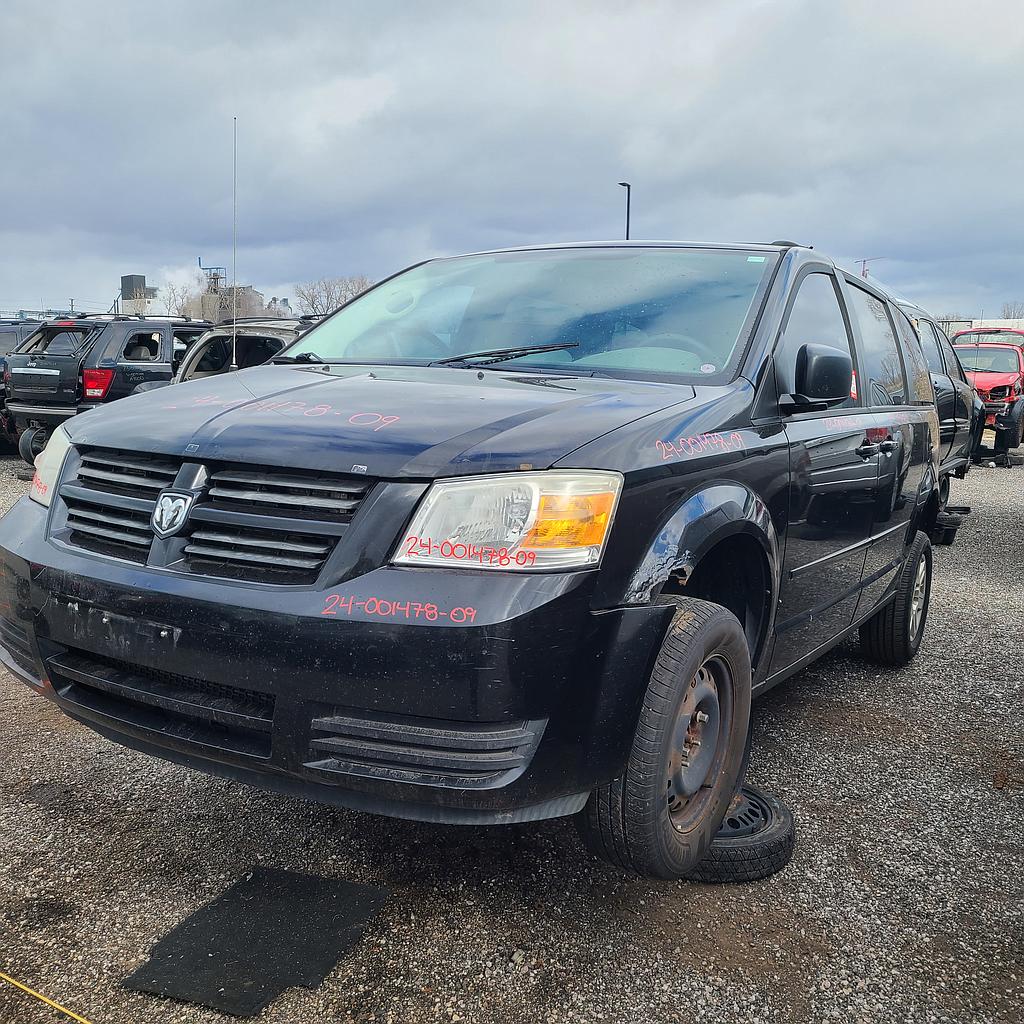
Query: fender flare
(704, 518)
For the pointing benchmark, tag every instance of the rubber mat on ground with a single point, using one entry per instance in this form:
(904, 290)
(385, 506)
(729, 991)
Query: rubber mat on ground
(269, 931)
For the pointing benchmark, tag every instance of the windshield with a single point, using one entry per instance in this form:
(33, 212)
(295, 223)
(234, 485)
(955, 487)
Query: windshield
(988, 358)
(650, 312)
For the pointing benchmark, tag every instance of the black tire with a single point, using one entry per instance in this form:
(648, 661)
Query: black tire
(892, 636)
(943, 492)
(660, 816)
(31, 443)
(756, 840)
(1009, 437)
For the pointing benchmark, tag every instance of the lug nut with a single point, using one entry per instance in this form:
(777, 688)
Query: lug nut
(701, 717)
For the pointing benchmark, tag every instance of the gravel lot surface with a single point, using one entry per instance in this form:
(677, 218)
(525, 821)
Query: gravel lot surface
(903, 901)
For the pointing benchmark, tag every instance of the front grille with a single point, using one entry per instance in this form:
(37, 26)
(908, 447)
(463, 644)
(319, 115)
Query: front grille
(257, 555)
(249, 523)
(297, 494)
(210, 714)
(423, 751)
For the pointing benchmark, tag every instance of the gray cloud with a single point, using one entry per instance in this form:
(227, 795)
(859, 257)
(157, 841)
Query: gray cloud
(371, 136)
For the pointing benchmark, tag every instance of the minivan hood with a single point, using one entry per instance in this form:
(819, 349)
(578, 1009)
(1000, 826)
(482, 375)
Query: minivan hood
(389, 421)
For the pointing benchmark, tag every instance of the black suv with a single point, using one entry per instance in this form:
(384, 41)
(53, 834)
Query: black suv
(961, 411)
(12, 333)
(509, 536)
(70, 366)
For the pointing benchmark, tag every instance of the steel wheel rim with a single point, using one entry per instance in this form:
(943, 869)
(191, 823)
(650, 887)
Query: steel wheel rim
(699, 742)
(917, 598)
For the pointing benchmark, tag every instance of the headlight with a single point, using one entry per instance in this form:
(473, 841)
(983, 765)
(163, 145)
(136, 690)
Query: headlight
(48, 464)
(514, 521)
(1003, 391)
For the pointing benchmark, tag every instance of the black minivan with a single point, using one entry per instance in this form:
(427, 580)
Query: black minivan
(69, 366)
(509, 536)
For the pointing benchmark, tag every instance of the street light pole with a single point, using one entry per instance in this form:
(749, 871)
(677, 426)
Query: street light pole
(626, 185)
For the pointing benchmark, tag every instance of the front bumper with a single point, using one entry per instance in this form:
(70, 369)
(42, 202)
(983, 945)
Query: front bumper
(437, 694)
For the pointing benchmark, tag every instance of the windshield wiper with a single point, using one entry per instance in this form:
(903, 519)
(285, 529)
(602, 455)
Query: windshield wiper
(497, 355)
(302, 357)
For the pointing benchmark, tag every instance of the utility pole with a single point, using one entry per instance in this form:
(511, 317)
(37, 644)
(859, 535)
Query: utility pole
(864, 264)
(72, 305)
(626, 185)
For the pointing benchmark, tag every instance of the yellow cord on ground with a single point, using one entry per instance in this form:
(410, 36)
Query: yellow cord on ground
(49, 1002)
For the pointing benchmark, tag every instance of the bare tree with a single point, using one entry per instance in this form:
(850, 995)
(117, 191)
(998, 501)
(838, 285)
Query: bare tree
(183, 299)
(1013, 311)
(327, 294)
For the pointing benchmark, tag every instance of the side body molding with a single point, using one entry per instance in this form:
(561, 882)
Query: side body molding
(716, 511)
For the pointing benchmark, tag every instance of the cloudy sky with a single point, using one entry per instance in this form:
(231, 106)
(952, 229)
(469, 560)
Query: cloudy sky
(373, 135)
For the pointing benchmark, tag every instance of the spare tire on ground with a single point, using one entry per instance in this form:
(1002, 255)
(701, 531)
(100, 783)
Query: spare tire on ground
(756, 840)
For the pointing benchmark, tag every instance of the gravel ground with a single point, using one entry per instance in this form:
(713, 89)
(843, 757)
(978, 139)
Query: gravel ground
(902, 903)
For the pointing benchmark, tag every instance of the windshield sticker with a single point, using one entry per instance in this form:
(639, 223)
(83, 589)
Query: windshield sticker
(422, 547)
(379, 606)
(755, 259)
(684, 447)
(708, 368)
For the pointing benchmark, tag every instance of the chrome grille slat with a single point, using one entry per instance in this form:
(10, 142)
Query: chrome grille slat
(91, 515)
(144, 466)
(284, 498)
(119, 535)
(285, 480)
(271, 544)
(232, 555)
(89, 473)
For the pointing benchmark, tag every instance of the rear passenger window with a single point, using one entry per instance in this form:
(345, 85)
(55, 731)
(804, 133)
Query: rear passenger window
(142, 347)
(881, 369)
(953, 367)
(815, 318)
(920, 380)
(930, 346)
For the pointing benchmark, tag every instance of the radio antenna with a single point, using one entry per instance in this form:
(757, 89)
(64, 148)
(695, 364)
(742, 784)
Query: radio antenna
(234, 244)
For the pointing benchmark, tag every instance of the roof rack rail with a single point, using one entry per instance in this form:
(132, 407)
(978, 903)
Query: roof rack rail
(310, 317)
(786, 244)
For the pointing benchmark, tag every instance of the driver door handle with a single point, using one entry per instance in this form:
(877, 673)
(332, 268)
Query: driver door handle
(866, 450)
(888, 445)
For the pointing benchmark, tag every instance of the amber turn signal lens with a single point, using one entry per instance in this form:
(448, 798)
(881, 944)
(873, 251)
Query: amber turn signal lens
(570, 521)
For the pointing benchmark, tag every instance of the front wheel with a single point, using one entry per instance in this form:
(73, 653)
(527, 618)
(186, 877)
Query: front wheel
(660, 816)
(892, 636)
(31, 443)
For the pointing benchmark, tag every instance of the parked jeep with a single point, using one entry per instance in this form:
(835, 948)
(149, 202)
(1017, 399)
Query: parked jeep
(12, 333)
(509, 536)
(994, 362)
(70, 366)
(961, 411)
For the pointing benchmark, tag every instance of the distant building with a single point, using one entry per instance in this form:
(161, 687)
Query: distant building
(135, 296)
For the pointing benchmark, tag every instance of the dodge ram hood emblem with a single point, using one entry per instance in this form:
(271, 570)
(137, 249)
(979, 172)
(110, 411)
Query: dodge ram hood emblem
(172, 509)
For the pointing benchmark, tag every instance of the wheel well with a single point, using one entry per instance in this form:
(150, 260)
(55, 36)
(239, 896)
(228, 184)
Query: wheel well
(734, 574)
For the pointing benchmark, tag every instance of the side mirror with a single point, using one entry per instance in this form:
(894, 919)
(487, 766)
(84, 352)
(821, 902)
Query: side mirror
(823, 378)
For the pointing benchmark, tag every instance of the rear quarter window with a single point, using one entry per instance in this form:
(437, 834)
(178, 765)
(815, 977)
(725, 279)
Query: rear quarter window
(918, 376)
(56, 341)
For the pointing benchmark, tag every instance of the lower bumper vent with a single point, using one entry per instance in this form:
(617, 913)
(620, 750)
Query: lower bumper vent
(190, 710)
(16, 644)
(423, 751)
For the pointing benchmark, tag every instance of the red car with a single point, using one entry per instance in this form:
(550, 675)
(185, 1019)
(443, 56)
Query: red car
(993, 359)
